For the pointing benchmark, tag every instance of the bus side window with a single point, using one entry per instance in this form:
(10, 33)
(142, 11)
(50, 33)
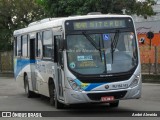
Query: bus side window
(28, 42)
(24, 46)
(39, 45)
(47, 44)
(19, 46)
(15, 46)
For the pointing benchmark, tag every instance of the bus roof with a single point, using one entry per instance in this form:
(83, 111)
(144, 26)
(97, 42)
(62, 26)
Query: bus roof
(58, 22)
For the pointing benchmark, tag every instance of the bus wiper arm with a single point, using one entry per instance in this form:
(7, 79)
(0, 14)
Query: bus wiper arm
(114, 43)
(91, 40)
(93, 43)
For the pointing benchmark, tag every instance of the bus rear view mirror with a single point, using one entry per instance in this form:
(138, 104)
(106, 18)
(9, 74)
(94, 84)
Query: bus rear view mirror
(58, 48)
(61, 44)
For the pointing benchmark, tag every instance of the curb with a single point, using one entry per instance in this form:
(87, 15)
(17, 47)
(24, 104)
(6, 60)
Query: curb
(146, 78)
(6, 74)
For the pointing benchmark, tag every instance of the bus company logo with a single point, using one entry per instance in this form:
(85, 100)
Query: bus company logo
(106, 86)
(6, 114)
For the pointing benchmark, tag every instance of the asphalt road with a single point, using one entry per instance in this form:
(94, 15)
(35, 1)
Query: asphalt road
(12, 98)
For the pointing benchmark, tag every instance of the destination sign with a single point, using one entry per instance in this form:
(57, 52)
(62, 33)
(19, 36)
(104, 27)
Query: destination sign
(98, 24)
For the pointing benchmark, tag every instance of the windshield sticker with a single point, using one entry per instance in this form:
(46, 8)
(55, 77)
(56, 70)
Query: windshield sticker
(87, 64)
(72, 65)
(84, 58)
(109, 67)
(106, 37)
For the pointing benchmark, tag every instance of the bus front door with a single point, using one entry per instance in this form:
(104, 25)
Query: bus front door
(32, 64)
(60, 70)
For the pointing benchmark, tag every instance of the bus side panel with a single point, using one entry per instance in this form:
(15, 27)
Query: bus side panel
(21, 66)
(17, 71)
(44, 71)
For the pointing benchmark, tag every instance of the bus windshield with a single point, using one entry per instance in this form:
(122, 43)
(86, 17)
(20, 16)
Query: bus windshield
(84, 58)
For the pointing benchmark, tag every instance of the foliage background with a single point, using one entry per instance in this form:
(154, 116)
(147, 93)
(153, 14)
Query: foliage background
(16, 14)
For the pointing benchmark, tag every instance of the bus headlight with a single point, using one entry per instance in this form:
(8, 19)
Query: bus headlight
(135, 81)
(74, 85)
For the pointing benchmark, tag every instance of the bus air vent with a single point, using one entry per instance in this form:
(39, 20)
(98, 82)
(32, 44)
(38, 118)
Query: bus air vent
(94, 13)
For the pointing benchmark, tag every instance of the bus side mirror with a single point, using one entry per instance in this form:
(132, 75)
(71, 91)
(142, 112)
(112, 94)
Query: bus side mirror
(61, 44)
(60, 52)
(58, 48)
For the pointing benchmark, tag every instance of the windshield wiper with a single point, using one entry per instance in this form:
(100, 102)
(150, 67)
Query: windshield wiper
(91, 40)
(100, 50)
(93, 43)
(114, 43)
(97, 47)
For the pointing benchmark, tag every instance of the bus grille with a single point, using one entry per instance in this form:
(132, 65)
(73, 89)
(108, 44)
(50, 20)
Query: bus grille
(95, 79)
(97, 96)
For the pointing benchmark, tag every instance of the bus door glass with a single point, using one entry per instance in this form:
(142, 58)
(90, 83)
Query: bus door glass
(32, 61)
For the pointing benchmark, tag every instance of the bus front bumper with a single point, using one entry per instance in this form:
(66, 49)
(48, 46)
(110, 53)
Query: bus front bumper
(75, 97)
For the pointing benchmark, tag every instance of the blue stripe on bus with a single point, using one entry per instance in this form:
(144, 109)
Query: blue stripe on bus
(19, 64)
(93, 85)
(88, 86)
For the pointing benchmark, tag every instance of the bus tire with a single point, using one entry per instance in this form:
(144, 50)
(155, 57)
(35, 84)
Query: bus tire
(27, 91)
(51, 94)
(53, 97)
(114, 104)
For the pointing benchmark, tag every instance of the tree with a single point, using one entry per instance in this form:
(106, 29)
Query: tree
(16, 14)
(61, 8)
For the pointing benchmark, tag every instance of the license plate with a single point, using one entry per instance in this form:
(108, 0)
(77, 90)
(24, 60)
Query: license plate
(107, 98)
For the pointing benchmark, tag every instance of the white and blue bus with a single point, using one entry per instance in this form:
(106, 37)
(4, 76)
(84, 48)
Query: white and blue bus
(79, 59)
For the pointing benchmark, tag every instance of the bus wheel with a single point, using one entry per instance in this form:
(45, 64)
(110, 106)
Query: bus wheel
(27, 91)
(114, 104)
(53, 97)
(51, 94)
